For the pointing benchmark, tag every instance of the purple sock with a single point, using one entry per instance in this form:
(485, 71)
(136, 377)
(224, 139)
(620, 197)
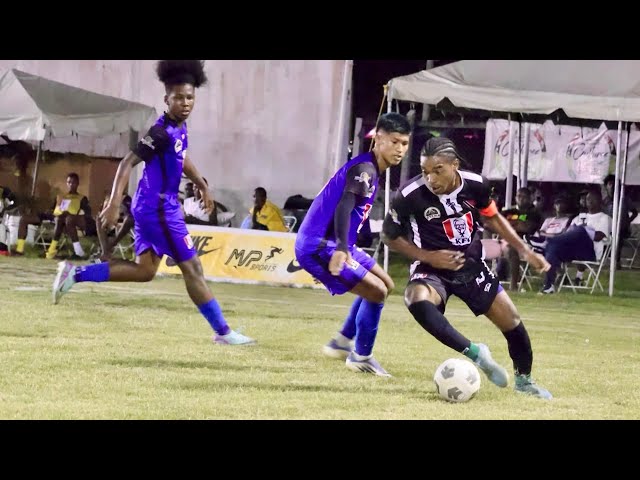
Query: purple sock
(367, 322)
(93, 273)
(349, 326)
(212, 312)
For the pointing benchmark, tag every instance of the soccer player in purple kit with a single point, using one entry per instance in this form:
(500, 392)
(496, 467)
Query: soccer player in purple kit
(159, 223)
(325, 244)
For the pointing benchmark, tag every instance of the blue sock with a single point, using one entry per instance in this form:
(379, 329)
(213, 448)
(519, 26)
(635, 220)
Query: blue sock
(212, 312)
(367, 322)
(349, 326)
(93, 273)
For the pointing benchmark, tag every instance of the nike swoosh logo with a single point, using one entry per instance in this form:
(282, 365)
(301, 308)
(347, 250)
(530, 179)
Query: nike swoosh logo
(172, 263)
(293, 267)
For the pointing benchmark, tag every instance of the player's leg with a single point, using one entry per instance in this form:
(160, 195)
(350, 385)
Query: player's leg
(504, 315)
(355, 278)
(341, 345)
(143, 270)
(201, 295)
(425, 297)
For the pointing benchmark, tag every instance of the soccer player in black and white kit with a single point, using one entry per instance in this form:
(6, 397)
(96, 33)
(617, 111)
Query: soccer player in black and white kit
(433, 220)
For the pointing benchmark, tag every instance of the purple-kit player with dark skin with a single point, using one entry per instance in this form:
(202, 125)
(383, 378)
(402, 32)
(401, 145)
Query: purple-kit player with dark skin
(325, 244)
(159, 223)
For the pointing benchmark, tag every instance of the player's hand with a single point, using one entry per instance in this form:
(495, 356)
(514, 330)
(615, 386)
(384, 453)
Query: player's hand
(109, 216)
(537, 261)
(338, 259)
(445, 259)
(207, 201)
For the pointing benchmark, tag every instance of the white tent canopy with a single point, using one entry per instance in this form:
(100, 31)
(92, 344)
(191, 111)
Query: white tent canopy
(32, 107)
(588, 89)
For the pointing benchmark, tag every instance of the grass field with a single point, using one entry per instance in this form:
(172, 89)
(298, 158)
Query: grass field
(142, 351)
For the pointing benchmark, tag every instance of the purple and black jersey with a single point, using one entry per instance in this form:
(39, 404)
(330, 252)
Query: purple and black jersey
(163, 150)
(159, 222)
(359, 176)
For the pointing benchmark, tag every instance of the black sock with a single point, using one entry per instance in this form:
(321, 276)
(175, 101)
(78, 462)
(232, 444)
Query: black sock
(520, 349)
(434, 322)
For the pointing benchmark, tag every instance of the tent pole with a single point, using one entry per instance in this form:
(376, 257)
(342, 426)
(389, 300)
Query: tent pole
(616, 201)
(525, 157)
(519, 184)
(623, 177)
(35, 170)
(509, 192)
(387, 193)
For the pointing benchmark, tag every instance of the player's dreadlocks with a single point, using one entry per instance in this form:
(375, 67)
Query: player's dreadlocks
(441, 146)
(177, 72)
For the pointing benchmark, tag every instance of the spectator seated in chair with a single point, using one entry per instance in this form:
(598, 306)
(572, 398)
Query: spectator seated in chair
(583, 240)
(552, 226)
(525, 220)
(264, 215)
(110, 239)
(194, 211)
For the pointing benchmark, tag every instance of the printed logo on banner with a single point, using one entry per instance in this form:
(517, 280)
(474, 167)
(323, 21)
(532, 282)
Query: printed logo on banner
(589, 154)
(200, 243)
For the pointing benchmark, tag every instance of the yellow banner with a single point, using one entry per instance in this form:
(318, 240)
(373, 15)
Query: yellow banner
(245, 256)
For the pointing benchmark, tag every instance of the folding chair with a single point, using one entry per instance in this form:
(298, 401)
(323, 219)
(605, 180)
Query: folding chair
(633, 243)
(593, 279)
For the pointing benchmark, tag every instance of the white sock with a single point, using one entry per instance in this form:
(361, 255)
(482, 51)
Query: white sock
(341, 340)
(579, 275)
(362, 358)
(78, 249)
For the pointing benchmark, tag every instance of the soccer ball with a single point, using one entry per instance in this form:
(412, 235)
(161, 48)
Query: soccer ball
(457, 380)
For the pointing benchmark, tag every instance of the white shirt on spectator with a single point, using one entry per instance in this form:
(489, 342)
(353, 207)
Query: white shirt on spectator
(195, 208)
(595, 222)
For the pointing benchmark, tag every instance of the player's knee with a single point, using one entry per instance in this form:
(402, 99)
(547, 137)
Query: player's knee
(417, 292)
(378, 294)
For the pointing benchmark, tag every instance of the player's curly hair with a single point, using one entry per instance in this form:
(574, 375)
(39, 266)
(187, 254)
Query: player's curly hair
(177, 72)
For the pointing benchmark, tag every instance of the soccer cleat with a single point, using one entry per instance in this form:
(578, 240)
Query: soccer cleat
(333, 350)
(490, 367)
(369, 365)
(233, 338)
(65, 279)
(525, 384)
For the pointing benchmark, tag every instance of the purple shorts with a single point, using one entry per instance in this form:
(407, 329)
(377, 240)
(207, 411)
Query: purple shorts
(315, 260)
(165, 233)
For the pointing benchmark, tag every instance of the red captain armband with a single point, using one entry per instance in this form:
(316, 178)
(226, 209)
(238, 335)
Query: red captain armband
(490, 211)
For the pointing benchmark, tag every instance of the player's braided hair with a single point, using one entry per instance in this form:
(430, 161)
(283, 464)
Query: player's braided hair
(177, 72)
(441, 146)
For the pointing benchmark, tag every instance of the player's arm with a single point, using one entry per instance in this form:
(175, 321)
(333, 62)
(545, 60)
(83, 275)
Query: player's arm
(153, 143)
(395, 229)
(493, 220)
(192, 174)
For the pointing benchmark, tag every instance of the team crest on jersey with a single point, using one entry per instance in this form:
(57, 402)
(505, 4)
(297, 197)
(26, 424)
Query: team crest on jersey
(431, 213)
(148, 141)
(178, 145)
(459, 229)
(365, 178)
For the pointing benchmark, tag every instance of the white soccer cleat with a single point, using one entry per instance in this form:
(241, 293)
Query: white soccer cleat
(65, 279)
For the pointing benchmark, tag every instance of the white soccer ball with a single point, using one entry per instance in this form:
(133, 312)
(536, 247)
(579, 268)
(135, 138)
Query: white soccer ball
(457, 380)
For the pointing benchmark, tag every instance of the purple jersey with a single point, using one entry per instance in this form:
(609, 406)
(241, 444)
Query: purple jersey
(159, 222)
(359, 176)
(163, 150)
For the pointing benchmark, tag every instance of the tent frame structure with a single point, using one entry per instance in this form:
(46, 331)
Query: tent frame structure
(594, 90)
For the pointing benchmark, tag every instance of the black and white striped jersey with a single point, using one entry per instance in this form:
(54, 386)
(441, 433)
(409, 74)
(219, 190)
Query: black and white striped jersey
(441, 222)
